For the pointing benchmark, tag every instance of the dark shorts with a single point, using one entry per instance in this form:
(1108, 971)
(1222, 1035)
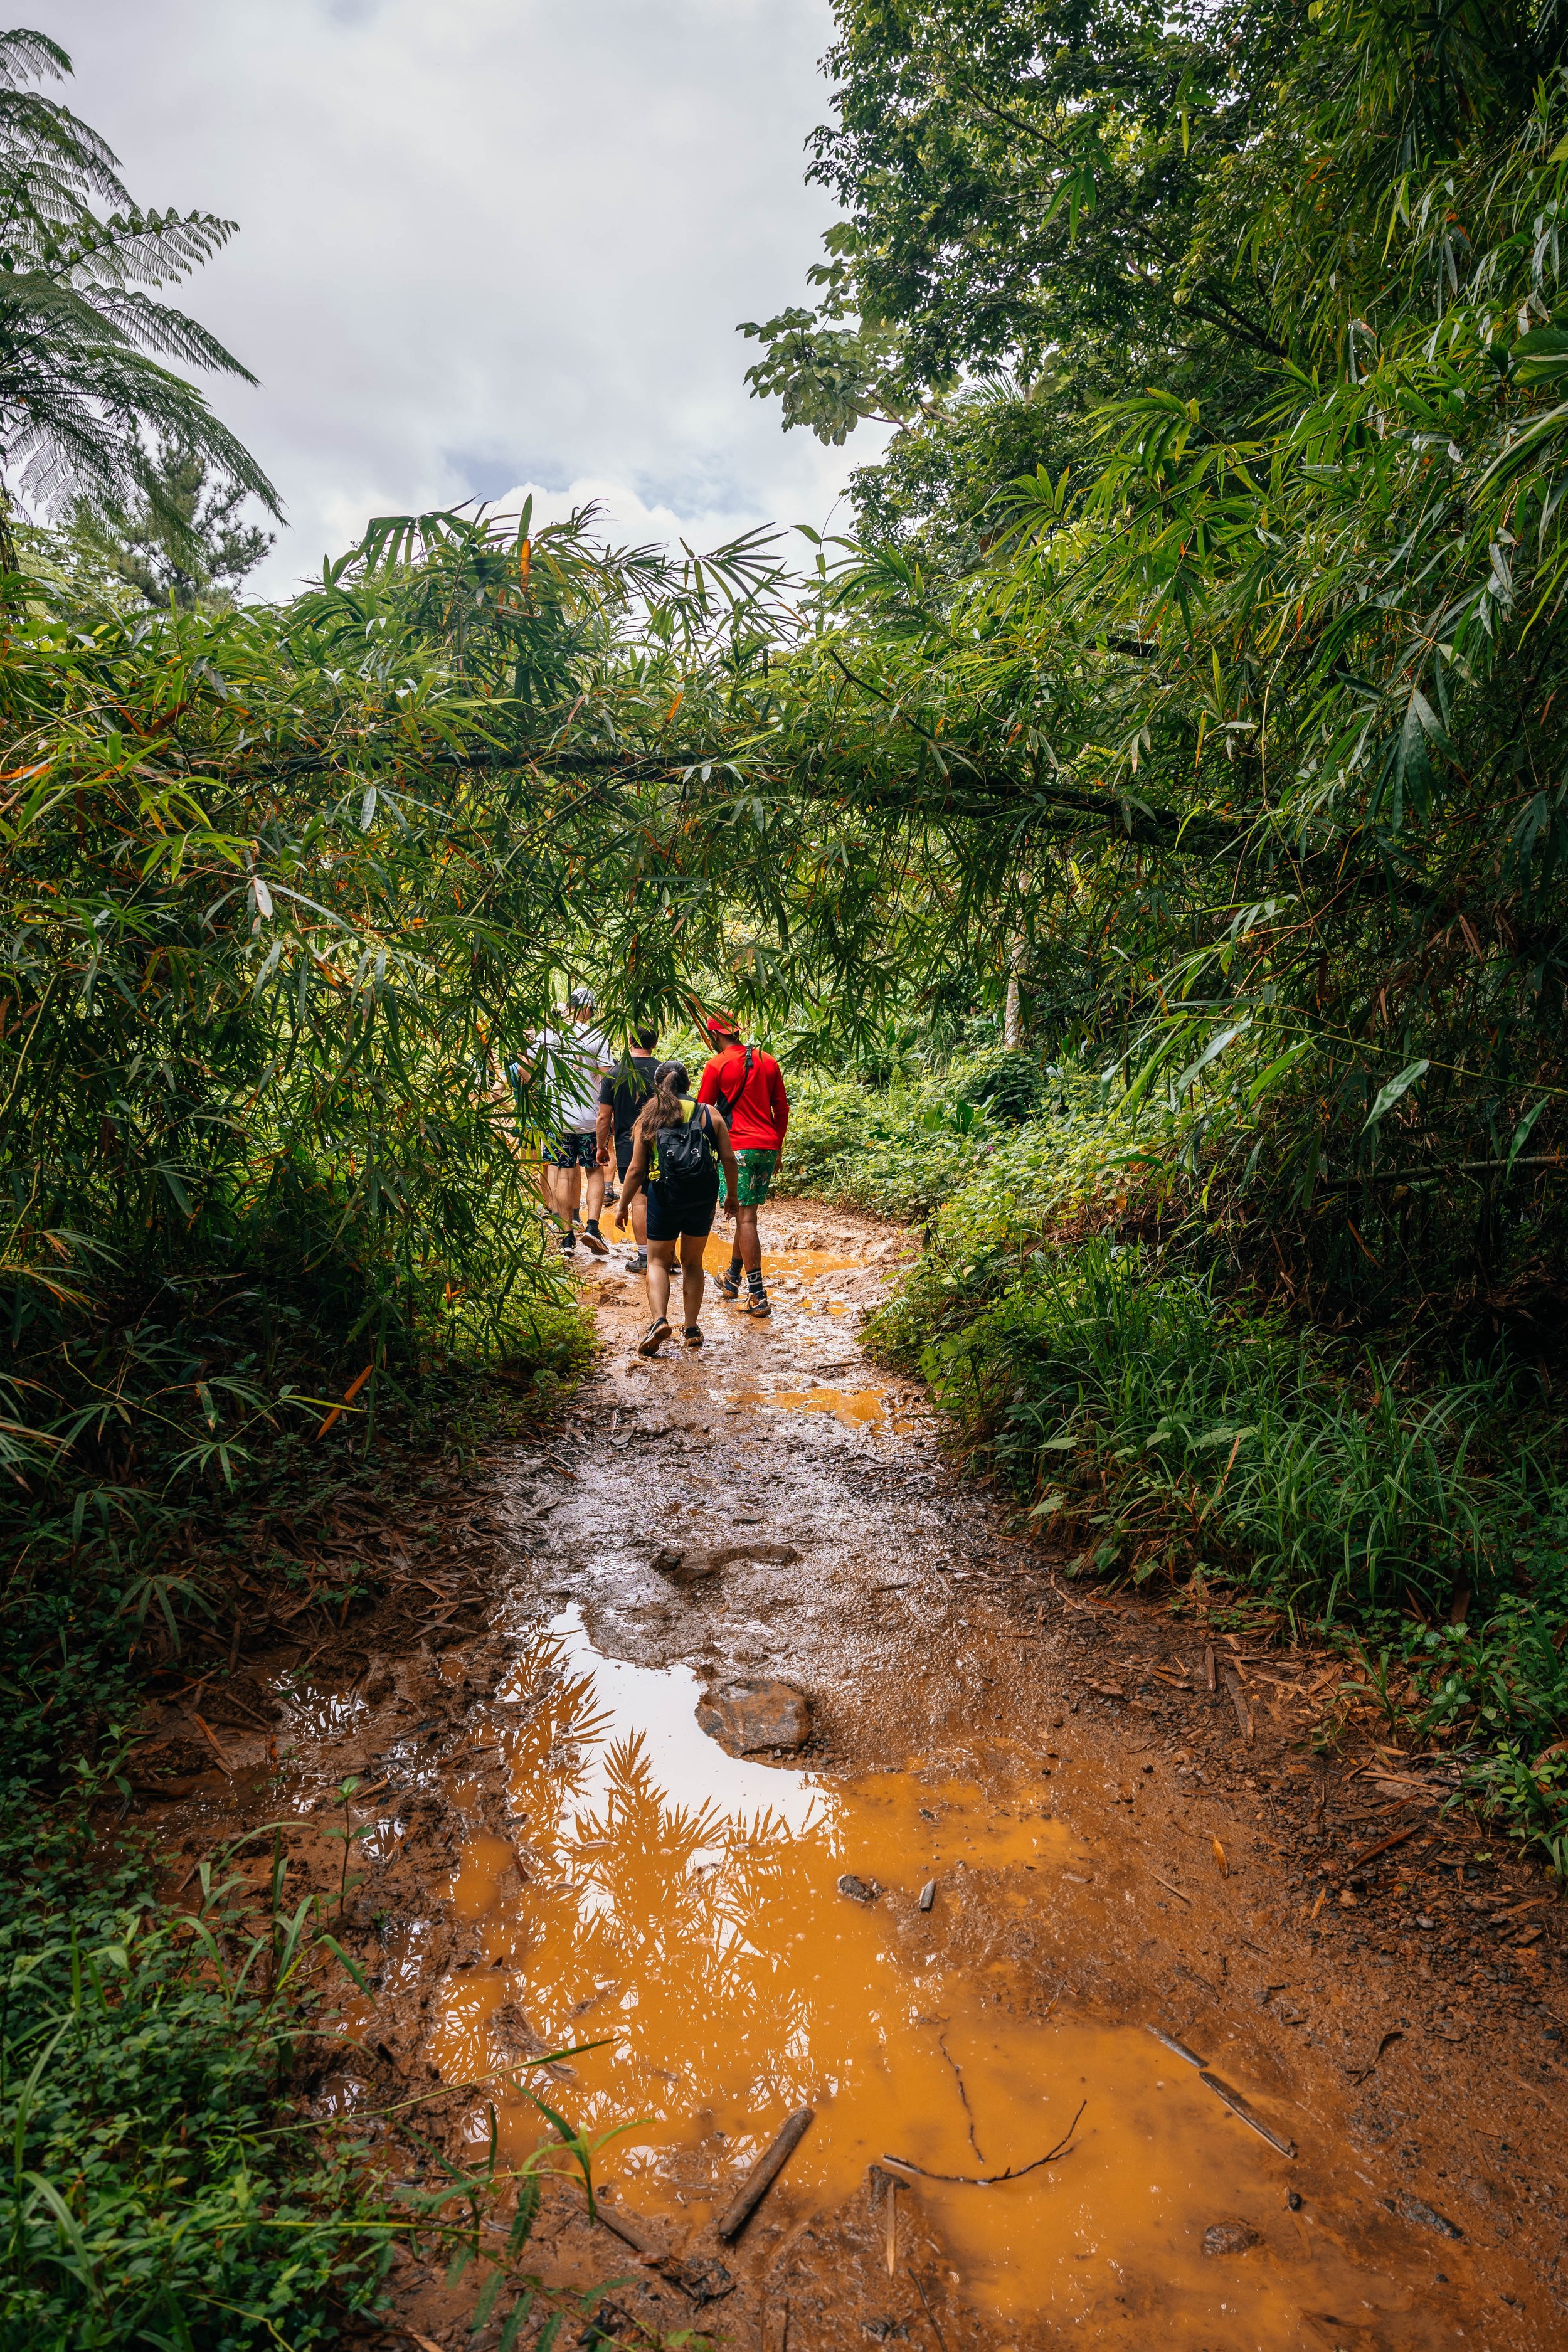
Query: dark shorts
(625, 1146)
(671, 1215)
(573, 1150)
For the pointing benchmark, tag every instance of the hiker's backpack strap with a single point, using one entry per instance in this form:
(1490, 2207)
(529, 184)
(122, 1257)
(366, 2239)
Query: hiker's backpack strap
(727, 1102)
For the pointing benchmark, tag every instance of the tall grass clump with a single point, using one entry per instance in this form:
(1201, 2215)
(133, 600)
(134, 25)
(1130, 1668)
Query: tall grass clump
(1170, 1431)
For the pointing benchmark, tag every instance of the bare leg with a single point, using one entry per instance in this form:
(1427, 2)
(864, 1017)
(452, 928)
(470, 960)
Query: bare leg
(748, 1241)
(639, 1211)
(660, 1258)
(691, 1275)
(568, 1191)
(595, 1193)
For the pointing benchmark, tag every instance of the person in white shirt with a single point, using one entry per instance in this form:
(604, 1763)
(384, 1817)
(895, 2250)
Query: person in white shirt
(575, 1058)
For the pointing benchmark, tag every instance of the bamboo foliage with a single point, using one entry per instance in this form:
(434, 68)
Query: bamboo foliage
(285, 888)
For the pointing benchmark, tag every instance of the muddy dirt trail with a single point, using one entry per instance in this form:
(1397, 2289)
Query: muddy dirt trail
(773, 1760)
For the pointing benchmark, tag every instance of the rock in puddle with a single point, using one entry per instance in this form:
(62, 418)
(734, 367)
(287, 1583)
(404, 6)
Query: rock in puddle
(859, 1890)
(685, 1566)
(745, 1717)
(1228, 2238)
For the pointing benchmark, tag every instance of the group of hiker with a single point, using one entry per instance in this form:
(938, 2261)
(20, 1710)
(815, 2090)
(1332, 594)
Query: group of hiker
(630, 1113)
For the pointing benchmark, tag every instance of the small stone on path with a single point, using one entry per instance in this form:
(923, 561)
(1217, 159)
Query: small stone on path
(745, 1717)
(1228, 2238)
(859, 1890)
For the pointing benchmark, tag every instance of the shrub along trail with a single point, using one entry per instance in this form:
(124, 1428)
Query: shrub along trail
(1120, 1815)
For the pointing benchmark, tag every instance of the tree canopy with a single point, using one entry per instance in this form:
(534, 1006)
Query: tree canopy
(1240, 707)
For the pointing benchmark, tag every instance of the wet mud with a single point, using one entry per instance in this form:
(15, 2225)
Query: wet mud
(1122, 2013)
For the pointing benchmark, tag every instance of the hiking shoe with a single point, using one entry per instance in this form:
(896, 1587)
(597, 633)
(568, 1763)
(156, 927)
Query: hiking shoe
(595, 1241)
(569, 1241)
(693, 1334)
(638, 1262)
(654, 1338)
(728, 1286)
(757, 1303)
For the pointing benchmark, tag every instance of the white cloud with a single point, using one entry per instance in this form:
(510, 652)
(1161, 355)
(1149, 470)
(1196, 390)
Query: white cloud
(486, 242)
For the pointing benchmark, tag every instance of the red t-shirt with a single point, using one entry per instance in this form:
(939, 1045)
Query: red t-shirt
(759, 1113)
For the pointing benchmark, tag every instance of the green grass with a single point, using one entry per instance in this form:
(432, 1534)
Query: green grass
(159, 2188)
(1079, 1318)
(1170, 1431)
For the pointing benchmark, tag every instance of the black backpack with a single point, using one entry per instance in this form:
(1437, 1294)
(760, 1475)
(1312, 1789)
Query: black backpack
(686, 1159)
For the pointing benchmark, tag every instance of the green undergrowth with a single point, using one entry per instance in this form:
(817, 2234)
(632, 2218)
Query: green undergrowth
(166, 2185)
(160, 2189)
(1013, 1137)
(1085, 1325)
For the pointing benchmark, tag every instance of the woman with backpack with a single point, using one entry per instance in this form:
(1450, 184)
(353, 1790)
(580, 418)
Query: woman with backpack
(679, 1147)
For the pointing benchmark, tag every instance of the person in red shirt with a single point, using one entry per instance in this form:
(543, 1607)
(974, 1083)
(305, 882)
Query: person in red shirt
(747, 1086)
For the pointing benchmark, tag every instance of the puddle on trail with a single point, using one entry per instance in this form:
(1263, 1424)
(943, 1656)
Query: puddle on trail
(782, 1265)
(682, 1905)
(856, 1408)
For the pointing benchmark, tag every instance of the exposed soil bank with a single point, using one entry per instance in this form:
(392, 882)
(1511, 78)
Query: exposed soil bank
(563, 1855)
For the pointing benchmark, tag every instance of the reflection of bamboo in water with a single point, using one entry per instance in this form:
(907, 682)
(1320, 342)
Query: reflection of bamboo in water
(653, 1907)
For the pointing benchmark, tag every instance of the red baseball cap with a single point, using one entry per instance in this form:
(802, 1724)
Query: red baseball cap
(719, 1024)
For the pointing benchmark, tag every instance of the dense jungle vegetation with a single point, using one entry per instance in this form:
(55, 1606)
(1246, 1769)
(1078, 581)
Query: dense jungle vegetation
(1187, 704)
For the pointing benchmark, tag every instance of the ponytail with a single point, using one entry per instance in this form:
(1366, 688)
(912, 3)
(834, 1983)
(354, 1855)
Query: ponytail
(663, 1108)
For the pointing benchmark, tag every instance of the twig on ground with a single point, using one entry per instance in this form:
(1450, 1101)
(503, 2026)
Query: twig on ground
(992, 2179)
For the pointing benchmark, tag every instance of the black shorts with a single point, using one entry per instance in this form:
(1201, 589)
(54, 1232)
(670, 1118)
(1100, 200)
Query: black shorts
(625, 1146)
(671, 1215)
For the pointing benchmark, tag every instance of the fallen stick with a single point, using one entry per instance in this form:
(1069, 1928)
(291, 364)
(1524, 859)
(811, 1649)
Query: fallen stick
(1170, 1889)
(1238, 1701)
(1371, 1852)
(703, 2282)
(631, 2233)
(992, 2179)
(211, 1737)
(1239, 2109)
(1177, 2048)
(928, 2312)
(763, 2175)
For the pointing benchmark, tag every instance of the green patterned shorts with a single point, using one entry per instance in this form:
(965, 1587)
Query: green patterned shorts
(755, 1170)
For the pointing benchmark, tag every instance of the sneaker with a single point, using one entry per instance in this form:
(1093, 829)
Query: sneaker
(654, 1338)
(569, 1241)
(693, 1334)
(728, 1286)
(611, 1196)
(757, 1303)
(638, 1262)
(595, 1241)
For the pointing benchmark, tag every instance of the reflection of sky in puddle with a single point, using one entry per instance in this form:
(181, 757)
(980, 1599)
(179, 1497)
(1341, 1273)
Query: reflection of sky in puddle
(691, 1771)
(684, 1906)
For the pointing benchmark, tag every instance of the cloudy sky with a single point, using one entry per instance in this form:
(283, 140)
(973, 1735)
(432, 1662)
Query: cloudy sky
(485, 244)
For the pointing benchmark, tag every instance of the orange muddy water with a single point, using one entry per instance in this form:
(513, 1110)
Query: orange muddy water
(683, 1905)
(587, 1866)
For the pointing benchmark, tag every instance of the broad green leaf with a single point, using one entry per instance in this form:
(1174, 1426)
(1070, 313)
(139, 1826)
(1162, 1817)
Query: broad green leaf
(1388, 1094)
